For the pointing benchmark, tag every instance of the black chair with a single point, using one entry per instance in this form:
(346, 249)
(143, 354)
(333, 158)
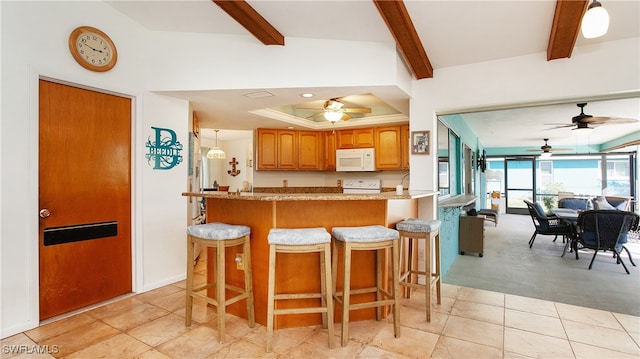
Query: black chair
(605, 230)
(547, 225)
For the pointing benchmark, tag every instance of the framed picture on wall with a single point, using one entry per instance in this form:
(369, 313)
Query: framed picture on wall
(420, 142)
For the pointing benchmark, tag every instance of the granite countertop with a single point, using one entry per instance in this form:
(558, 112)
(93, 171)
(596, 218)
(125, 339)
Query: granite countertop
(248, 196)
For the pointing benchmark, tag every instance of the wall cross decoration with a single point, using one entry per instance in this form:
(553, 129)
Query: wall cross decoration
(233, 171)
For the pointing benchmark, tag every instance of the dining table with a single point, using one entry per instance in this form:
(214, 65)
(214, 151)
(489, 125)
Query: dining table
(569, 216)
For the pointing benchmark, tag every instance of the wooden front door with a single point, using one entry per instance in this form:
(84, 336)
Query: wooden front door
(84, 197)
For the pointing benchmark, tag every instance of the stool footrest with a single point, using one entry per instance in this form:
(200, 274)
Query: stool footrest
(297, 296)
(381, 303)
(305, 310)
(213, 285)
(214, 301)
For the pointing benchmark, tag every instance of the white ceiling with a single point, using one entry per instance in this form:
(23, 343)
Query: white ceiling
(452, 32)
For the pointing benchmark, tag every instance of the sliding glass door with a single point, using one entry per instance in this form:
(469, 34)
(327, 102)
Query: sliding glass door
(520, 184)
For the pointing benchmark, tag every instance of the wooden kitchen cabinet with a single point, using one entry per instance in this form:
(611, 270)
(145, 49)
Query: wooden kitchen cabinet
(392, 147)
(277, 150)
(471, 234)
(405, 143)
(388, 148)
(355, 138)
(329, 150)
(310, 150)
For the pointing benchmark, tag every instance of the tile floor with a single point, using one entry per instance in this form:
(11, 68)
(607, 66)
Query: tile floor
(470, 323)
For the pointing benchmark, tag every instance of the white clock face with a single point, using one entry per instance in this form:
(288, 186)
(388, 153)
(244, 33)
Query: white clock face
(94, 49)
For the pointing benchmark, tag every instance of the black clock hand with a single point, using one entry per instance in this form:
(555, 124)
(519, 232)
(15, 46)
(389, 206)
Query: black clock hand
(92, 48)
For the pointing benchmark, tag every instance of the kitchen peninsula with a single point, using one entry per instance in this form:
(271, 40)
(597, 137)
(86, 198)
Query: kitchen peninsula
(263, 211)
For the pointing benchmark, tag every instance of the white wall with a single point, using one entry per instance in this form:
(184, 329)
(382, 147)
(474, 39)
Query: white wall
(159, 210)
(26, 55)
(227, 63)
(605, 68)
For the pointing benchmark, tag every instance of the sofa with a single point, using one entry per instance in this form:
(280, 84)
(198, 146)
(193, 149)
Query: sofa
(600, 202)
(579, 204)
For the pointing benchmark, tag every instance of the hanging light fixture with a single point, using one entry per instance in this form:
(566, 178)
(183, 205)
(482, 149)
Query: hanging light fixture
(545, 154)
(216, 152)
(595, 21)
(333, 115)
(333, 110)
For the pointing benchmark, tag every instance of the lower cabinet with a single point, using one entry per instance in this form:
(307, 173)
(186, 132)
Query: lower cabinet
(471, 234)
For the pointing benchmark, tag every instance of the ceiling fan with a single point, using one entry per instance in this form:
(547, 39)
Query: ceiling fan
(582, 121)
(545, 150)
(334, 110)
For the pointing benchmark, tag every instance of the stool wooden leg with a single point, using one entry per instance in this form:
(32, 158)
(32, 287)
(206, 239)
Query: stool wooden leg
(395, 268)
(427, 279)
(437, 269)
(412, 247)
(346, 294)
(327, 289)
(248, 283)
(323, 287)
(271, 296)
(189, 281)
(220, 288)
(379, 287)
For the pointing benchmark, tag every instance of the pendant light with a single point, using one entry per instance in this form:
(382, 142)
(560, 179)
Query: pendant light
(216, 152)
(595, 21)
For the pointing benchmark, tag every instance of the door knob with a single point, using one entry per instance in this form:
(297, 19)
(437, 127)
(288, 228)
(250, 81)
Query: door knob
(44, 213)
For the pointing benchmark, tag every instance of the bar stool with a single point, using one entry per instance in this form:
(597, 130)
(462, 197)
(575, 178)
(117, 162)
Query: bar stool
(219, 236)
(365, 238)
(429, 230)
(300, 240)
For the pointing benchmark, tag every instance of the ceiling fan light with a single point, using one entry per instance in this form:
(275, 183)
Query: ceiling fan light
(333, 116)
(595, 22)
(545, 155)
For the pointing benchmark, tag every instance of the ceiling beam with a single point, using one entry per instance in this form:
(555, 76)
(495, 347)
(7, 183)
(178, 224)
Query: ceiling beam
(251, 20)
(399, 22)
(565, 28)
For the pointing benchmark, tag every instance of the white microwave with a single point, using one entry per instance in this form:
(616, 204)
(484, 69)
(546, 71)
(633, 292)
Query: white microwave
(356, 160)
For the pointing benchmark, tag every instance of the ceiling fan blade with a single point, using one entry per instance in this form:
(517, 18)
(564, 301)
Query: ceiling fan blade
(560, 126)
(316, 115)
(609, 120)
(357, 110)
(345, 117)
(309, 108)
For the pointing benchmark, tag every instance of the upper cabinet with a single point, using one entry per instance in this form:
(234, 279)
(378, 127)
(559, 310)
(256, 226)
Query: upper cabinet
(392, 150)
(316, 150)
(355, 138)
(405, 146)
(310, 150)
(277, 150)
(329, 150)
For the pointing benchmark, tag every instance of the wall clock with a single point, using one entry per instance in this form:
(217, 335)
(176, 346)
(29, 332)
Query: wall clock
(93, 49)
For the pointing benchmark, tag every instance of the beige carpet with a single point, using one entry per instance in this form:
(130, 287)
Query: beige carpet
(510, 266)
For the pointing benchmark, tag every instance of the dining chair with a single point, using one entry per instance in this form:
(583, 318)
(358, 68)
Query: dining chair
(605, 230)
(547, 224)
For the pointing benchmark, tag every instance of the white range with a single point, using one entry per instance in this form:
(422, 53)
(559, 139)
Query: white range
(361, 185)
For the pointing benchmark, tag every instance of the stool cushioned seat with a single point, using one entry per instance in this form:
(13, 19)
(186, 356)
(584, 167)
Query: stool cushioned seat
(298, 236)
(418, 225)
(364, 234)
(218, 231)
